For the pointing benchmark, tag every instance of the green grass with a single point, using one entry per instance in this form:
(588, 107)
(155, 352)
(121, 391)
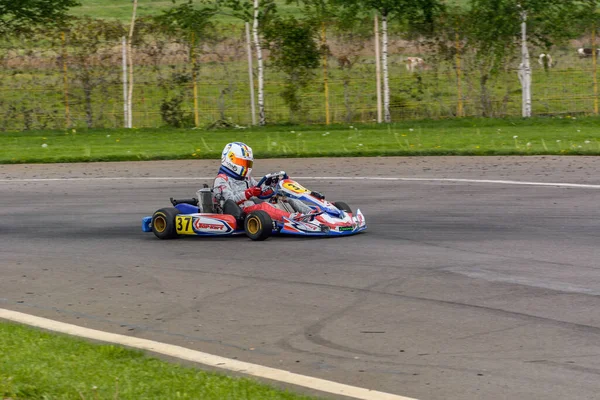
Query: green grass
(566, 136)
(121, 9)
(40, 365)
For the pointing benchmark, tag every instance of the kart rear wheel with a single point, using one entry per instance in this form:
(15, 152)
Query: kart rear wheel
(163, 223)
(258, 225)
(343, 206)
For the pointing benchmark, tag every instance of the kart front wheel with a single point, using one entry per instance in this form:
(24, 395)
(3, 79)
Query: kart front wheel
(163, 223)
(343, 206)
(258, 225)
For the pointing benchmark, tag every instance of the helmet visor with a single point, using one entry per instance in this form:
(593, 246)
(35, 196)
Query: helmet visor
(240, 161)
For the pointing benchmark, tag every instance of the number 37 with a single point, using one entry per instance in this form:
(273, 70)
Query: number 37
(184, 220)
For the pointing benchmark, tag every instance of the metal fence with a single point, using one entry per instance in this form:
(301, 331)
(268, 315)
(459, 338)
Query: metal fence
(54, 86)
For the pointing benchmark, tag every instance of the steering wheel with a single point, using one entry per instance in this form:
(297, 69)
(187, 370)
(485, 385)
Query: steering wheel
(270, 180)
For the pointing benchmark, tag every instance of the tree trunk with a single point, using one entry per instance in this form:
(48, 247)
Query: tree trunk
(325, 72)
(384, 61)
(262, 119)
(130, 54)
(595, 69)
(125, 85)
(378, 70)
(250, 73)
(525, 68)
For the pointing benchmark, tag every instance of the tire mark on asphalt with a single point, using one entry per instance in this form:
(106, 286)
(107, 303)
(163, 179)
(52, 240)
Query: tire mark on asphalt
(198, 303)
(567, 365)
(487, 332)
(289, 347)
(498, 311)
(312, 333)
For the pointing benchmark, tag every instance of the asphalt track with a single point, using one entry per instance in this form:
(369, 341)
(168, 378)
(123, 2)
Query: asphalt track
(458, 290)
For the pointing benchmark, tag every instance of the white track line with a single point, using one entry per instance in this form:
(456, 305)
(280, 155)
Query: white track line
(339, 178)
(202, 358)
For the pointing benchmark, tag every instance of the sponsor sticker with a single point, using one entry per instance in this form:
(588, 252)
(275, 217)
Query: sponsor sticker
(203, 226)
(294, 187)
(345, 228)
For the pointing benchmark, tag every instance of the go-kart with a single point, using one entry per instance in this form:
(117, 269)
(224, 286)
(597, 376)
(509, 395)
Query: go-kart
(203, 216)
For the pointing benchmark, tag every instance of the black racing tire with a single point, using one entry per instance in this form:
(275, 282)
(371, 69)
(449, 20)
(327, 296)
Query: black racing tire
(163, 223)
(258, 225)
(343, 206)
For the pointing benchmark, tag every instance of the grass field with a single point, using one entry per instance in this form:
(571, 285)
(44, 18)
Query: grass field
(451, 137)
(40, 365)
(121, 9)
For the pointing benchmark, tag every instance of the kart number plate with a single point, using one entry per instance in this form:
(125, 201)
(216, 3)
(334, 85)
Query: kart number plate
(184, 225)
(294, 187)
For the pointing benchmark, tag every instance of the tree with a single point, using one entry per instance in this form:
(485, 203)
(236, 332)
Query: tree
(20, 15)
(321, 13)
(417, 15)
(498, 26)
(90, 40)
(449, 44)
(295, 52)
(588, 20)
(194, 25)
(350, 28)
(258, 12)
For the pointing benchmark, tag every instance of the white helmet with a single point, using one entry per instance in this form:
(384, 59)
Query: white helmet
(237, 160)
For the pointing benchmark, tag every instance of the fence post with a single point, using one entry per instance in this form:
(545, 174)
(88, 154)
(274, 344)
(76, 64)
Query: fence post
(65, 81)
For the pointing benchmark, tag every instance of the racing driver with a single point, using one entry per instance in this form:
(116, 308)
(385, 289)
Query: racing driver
(235, 188)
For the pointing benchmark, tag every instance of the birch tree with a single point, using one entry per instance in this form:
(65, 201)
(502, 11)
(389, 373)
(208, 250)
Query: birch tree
(498, 26)
(130, 60)
(257, 13)
(414, 14)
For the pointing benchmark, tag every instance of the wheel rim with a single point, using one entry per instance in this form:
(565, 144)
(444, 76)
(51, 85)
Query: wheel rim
(253, 226)
(160, 224)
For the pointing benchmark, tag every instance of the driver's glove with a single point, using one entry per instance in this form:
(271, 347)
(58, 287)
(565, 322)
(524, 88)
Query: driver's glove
(318, 195)
(254, 191)
(269, 192)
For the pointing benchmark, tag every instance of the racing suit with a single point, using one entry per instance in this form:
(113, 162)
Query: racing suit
(226, 187)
